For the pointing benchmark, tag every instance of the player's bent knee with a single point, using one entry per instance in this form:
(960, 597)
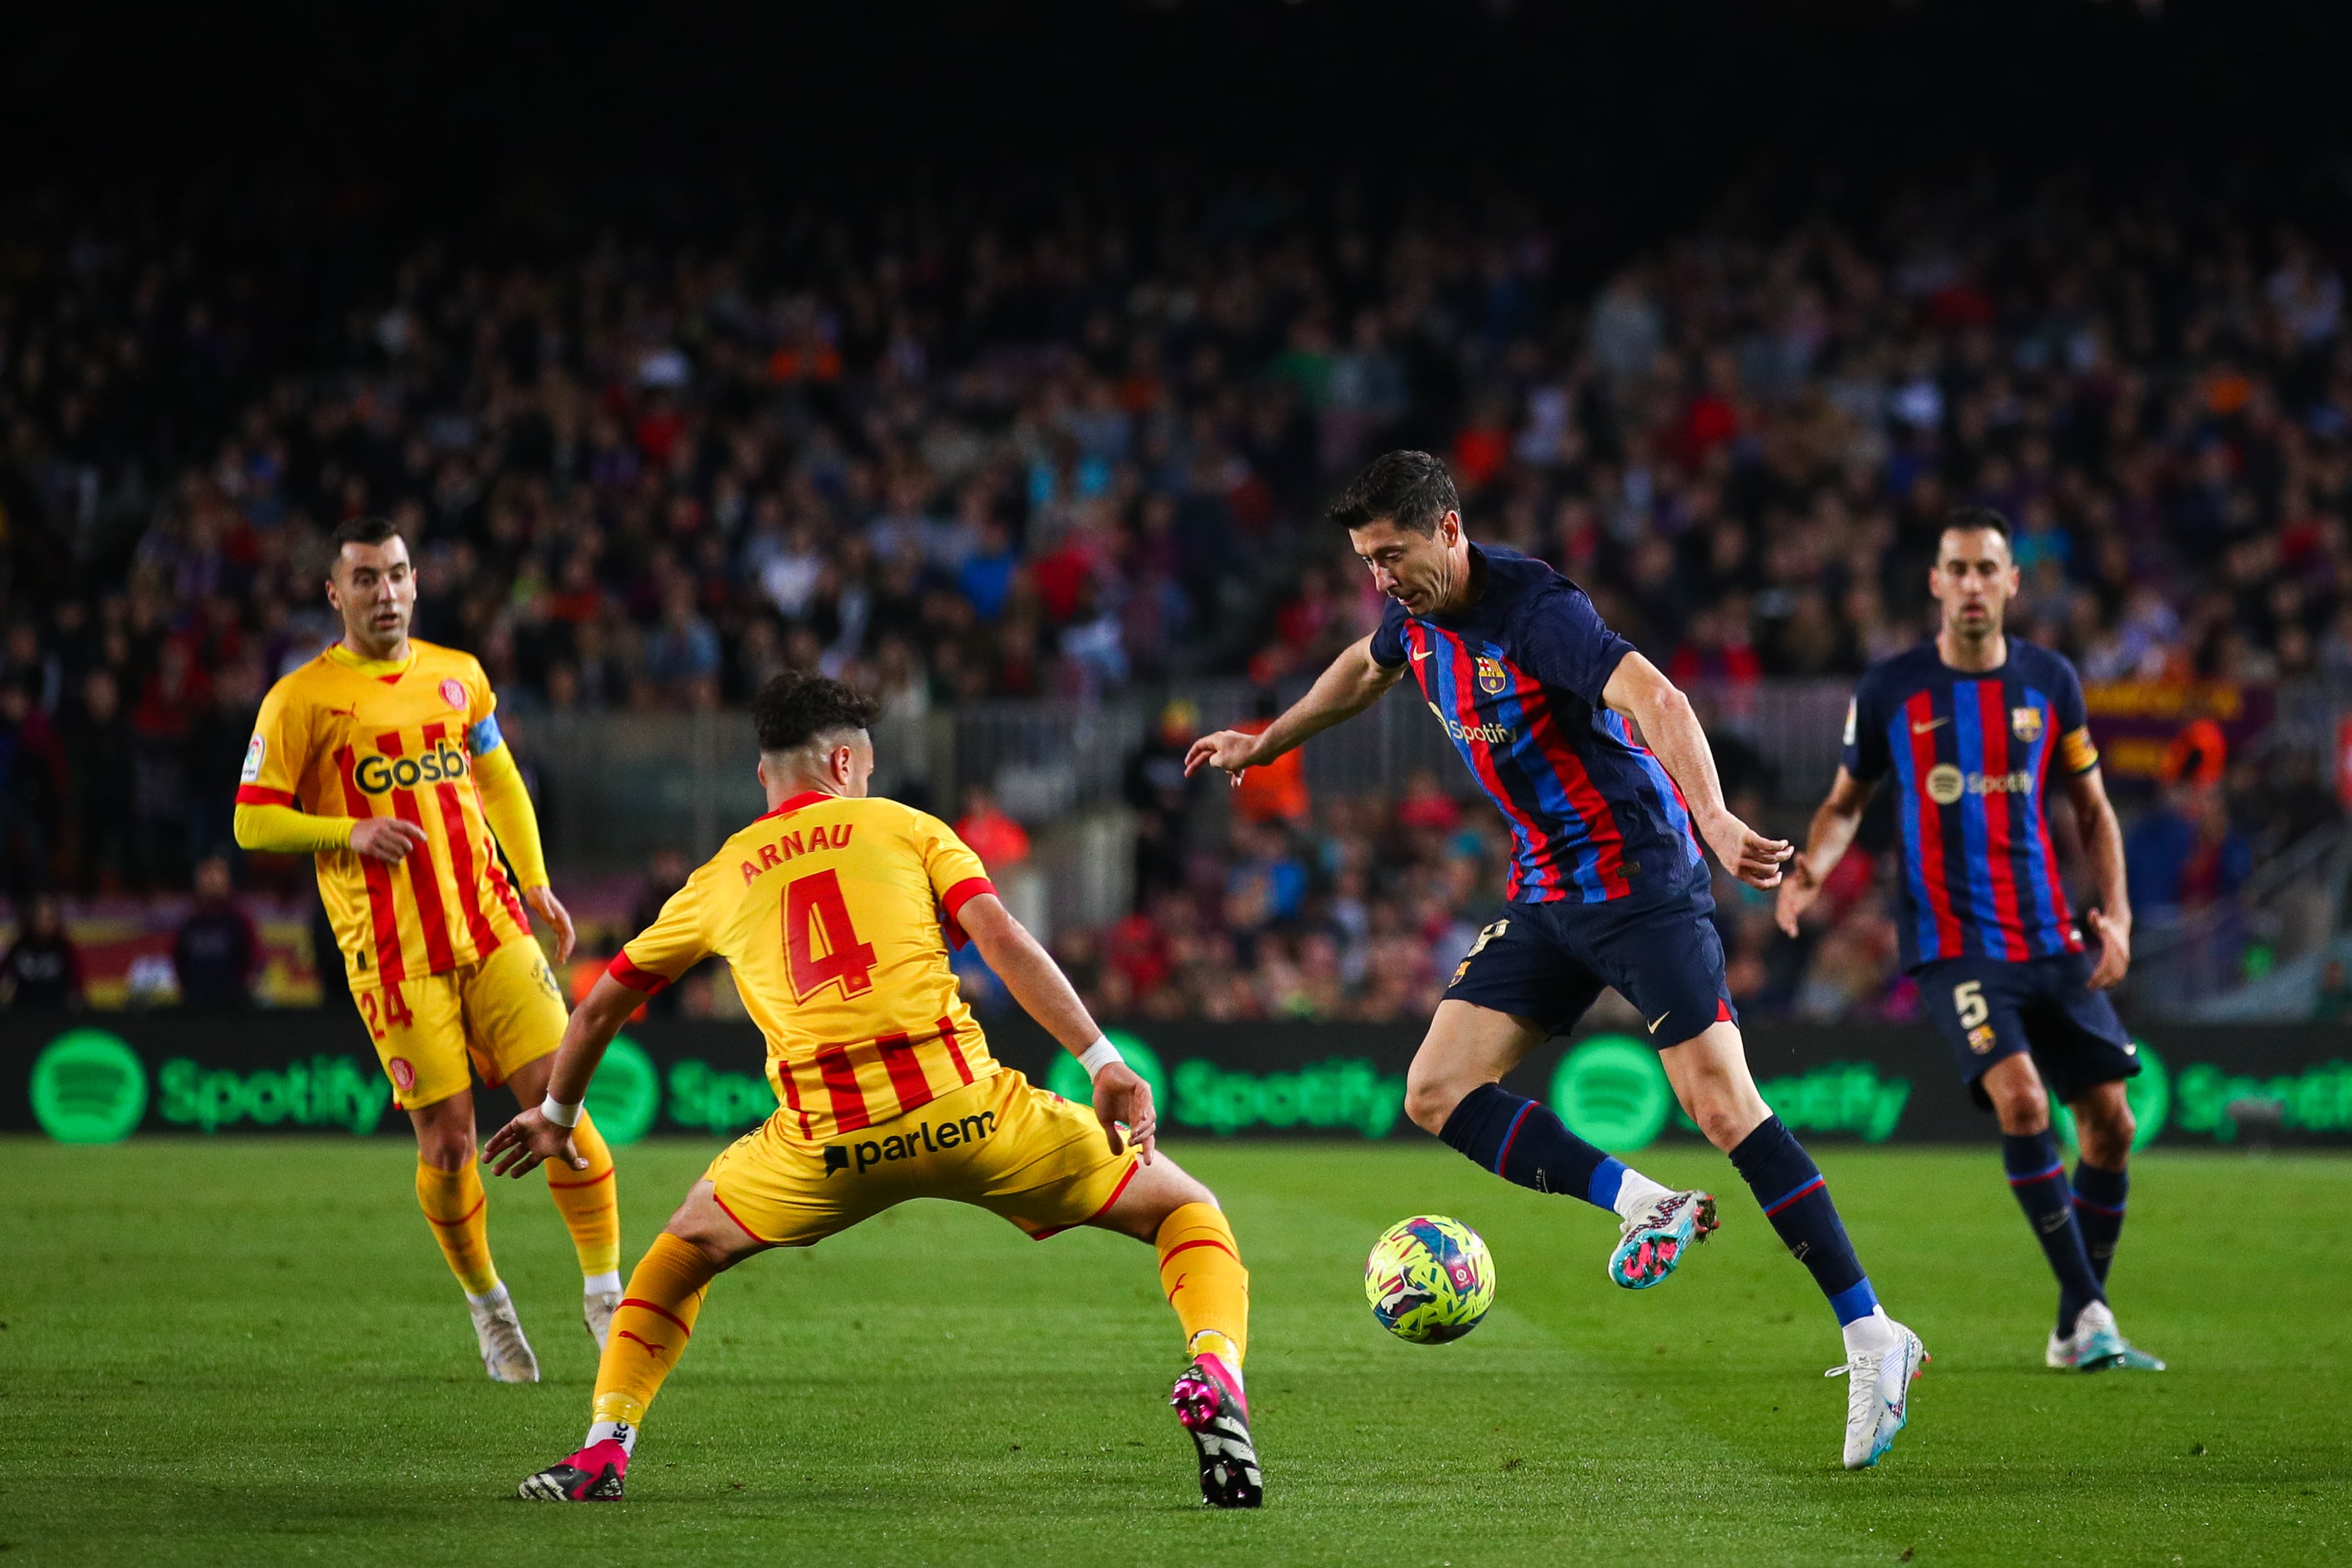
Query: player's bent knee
(1430, 1101)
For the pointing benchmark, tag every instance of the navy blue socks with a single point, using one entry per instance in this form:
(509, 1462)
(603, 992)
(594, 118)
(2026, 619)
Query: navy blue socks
(2099, 1213)
(1523, 1142)
(2039, 1179)
(1797, 1201)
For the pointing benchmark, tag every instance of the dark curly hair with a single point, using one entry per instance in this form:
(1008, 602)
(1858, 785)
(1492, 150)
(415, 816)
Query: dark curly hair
(1410, 489)
(795, 708)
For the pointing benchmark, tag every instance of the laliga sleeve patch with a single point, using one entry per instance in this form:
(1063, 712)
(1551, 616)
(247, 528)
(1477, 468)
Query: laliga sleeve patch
(254, 750)
(484, 737)
(1853, 713)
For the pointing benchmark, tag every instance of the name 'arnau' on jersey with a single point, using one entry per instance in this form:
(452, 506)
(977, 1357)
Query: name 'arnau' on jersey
(1517, 680)
(1970, 754)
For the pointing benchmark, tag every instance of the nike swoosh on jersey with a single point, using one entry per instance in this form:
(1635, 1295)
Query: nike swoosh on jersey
(1932, 724)
(1661, 1018)
(1424, 653)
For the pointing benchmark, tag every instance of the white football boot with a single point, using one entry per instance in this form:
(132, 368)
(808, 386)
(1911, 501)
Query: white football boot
(2097, 1345)
(505, 1352)
(596, 1309)
(1878, 1396)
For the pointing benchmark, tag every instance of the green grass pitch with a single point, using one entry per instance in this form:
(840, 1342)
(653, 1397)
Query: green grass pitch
(249, 1352)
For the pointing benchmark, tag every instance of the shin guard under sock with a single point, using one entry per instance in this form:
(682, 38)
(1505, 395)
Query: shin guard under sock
(650, 1330)
(1523, 1142)
(589, 1201)
(1200, 1270)
(2099, 1195)
(458, 1207)
(2039, 1179)
(1795, 1200)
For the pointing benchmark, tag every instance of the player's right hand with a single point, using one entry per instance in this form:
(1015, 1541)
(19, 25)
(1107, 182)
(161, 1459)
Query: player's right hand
(1122, 1097)
(1227, 748)
(1799, 888)
(386, 838)
(1745, 853)
(517, 1148)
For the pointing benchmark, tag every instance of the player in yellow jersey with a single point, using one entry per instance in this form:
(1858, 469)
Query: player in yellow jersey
(382, 758)
(836, 912)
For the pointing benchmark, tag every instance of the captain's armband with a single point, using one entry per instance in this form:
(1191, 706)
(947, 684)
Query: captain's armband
(2077, 751)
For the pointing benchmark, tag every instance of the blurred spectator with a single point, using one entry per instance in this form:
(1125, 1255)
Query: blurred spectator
(28, 793)
(664, 874)
(1001, 843)
(217, 953)
(1275, 792)
(1161, 798)
(101, 752)
(41, 971)
(2184, 856)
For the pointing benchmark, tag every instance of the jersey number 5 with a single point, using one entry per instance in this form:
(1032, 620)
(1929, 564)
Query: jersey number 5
(1968, 1000)
(815, 915)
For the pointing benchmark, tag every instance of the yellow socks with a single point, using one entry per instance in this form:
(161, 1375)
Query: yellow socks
(453, 1201)
(649, 1332)
(590, 1203)
(1200, 1270)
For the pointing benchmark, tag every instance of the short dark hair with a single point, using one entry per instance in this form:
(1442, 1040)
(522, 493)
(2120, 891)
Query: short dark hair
(1410, 489)
(1970, 519)
(364, 531)
(794, 708)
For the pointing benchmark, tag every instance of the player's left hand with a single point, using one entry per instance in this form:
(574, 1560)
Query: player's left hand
(558, 919)
(518, 1148)
(2114, 932)
(1745, 853)
(1122, 1097)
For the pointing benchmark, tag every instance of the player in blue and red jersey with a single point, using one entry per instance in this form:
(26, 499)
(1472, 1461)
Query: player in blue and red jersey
(1608, 887)
(1973, 727)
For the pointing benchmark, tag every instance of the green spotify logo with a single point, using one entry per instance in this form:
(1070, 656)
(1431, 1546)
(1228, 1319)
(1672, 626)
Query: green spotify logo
(1068, 1080)
(89, 1087)
(1612, 1092)
(626, 1093)
(2149, 1095)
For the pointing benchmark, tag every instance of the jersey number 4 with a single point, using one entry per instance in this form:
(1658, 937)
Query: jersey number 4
(816, 917)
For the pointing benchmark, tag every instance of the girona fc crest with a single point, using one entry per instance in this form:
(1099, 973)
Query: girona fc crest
(1493, 679)
(2025, 723)
(403, 1073)
(453, 691)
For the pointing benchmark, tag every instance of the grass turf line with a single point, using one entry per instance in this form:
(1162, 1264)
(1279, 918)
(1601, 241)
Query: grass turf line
(248, 1351)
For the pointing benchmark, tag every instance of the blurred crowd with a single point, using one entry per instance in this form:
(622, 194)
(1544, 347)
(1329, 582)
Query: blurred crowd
(976, 450)
(1360, 907)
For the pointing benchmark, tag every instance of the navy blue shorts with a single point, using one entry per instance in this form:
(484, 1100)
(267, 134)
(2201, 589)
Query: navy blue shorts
(1546, 963)
(1992, 1008)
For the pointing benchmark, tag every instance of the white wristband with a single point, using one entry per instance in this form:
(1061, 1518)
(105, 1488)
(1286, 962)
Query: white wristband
(557, 1112)
(1099, 1055)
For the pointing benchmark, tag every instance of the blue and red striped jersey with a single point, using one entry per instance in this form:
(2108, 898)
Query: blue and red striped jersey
(1515, 680)
(1971, 755)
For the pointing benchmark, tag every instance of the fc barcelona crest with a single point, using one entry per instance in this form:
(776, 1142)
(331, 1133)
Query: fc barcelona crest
(1493, 679)
(2025, 723)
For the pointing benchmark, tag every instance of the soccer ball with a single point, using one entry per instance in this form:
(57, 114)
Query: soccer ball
(1430, 1280)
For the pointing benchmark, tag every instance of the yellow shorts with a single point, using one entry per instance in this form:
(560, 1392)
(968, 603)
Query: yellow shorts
(497, 1015)
(1000, 1145)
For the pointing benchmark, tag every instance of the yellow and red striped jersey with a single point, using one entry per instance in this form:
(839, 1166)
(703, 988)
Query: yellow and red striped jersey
(836, 916)
(342, 736)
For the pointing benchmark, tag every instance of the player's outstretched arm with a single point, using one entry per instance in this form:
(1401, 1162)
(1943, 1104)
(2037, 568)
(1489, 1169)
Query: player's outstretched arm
(2103, 842)
(1834, 825)
(1637, 689)
(1047, 995)
(517, 1148)
(506, 806)
(1354, 682)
